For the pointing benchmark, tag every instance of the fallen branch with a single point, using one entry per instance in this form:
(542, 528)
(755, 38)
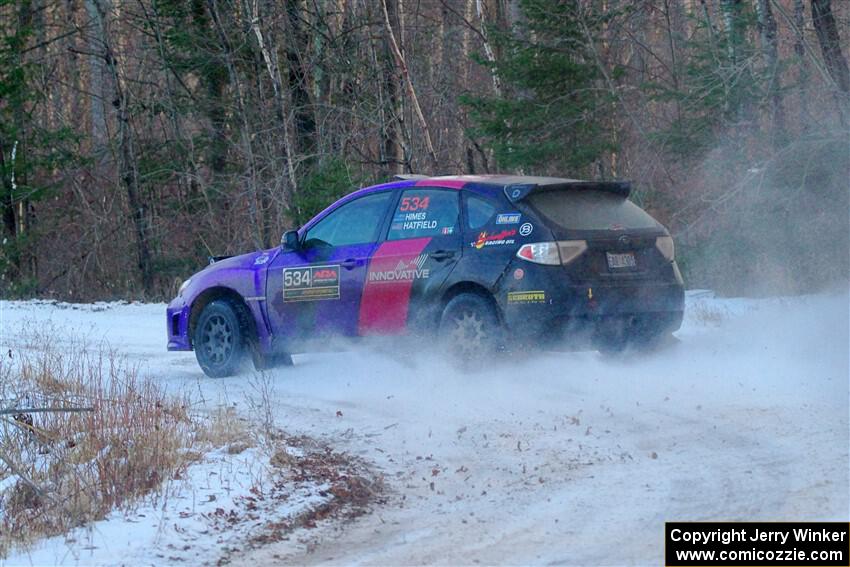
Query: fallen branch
(16, 411)
(17, 472)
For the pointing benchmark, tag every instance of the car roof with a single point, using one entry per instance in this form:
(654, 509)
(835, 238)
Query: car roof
(488, 184)
(491, 182)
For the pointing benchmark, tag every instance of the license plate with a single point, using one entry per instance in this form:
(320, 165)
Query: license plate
(619, 261)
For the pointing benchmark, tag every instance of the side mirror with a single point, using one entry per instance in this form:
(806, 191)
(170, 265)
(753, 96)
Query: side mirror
(290, 241)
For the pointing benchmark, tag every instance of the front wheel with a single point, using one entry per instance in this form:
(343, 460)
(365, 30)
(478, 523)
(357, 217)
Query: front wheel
(218, 340)
(469, 327)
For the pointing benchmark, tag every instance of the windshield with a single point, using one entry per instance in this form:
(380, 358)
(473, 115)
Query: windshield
(590, 210)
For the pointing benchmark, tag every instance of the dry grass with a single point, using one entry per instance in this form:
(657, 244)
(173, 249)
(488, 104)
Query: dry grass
(226, 428)
(61, 470)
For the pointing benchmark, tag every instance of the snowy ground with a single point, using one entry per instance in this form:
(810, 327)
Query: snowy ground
(196, 519)
(563, 457)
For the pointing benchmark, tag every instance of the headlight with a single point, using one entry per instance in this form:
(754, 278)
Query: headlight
(183, 286)
(665, 246)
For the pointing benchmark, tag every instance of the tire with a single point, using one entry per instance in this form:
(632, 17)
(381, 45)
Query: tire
(470, 328)
(270, 361)
(634, 337)
(219, 340)
(658, 341)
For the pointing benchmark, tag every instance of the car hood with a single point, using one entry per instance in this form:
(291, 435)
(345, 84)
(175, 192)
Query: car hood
(242, 261)
(224, 271)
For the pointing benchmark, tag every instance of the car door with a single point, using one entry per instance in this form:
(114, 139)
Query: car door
(408, 269)
(315, 292)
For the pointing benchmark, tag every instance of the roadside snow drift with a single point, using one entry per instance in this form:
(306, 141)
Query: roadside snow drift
(563, 457)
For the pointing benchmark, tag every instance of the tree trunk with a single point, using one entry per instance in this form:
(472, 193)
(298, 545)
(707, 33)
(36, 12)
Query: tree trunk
(270, 57)
(489, 53)
(127, 162)
(830, 45)
(768, 34)
(214, 80)
(10, 221)
(297, 46)
(96, 84)
(405, 73)
(393, 149)
(245, 130)
(802, 65)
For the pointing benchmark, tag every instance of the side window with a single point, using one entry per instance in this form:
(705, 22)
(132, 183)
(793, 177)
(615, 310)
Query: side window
(478, 211)
(353, 223)
(425, 212)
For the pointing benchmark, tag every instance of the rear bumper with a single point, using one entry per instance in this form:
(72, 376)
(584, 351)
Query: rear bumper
(589, 308)
(177, 325)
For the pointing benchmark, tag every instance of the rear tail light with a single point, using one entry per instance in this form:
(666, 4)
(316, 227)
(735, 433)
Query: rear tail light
(540, 253)
(665, 246)
(552, 253)
(571, 249)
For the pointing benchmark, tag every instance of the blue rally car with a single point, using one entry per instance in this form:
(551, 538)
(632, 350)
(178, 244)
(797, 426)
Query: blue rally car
(481, 262)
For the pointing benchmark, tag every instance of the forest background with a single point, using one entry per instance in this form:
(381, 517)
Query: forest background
(139, 137)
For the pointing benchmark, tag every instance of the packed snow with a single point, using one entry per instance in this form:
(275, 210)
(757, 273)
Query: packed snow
(564, 457)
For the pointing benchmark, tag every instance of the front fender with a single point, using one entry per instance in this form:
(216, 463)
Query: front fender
(241, 279)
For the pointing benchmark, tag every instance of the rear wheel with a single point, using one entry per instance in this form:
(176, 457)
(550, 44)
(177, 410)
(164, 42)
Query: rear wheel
(633, 334)
(218, 340)
(469, 327)
(270, 361)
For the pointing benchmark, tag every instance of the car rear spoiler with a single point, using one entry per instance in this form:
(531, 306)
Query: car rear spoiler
(518, 192)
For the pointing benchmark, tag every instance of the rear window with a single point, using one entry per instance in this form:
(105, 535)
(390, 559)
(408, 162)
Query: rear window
(590, 210)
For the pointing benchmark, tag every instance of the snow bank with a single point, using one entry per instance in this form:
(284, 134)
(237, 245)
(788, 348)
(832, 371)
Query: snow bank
(540, 458)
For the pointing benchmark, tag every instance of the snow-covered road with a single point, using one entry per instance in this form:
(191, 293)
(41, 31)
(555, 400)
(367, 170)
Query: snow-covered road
(563, 457)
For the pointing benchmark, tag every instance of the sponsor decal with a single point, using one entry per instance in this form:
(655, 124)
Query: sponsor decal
(311, 283)
(383, 308)
(448, 230)
(524, 297)
(519, 273)
(526, 229)
(617, 227)
(261, 259)
(516, 193)
(414, 204)
(419, 225)
(508, 218)
(413, 221)
(405, 270)
(496, 239)
(410, 217)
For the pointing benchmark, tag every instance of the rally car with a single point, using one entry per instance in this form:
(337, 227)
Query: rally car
(481, 262)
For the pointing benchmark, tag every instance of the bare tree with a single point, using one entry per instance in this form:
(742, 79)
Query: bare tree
(405, 72)
(830, 45)
(770, 47)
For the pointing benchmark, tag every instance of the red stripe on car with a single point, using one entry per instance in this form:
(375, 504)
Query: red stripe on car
(394, 267)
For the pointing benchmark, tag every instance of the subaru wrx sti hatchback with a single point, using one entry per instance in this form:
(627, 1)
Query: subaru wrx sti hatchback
(481, 262)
